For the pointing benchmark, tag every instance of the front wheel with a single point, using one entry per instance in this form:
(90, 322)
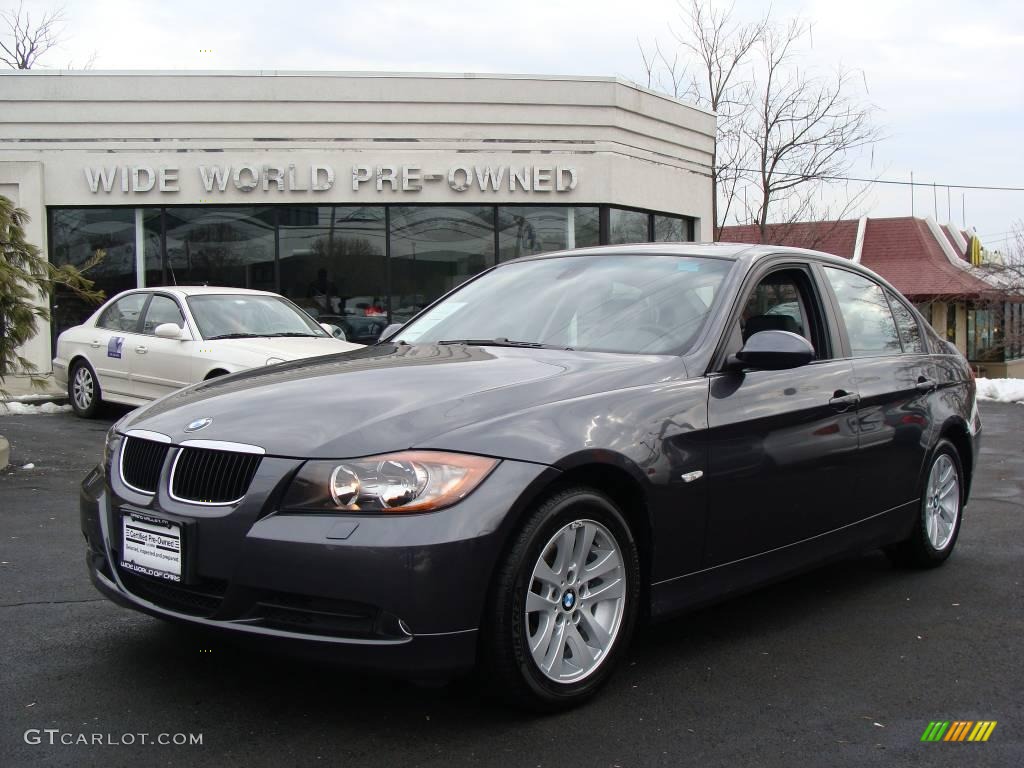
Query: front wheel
(84, 390)
(938, 523)
(564, 602)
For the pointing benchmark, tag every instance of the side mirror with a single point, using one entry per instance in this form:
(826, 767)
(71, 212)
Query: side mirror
(773, 351)
(391, 330)
(335, 331)
(170, 331)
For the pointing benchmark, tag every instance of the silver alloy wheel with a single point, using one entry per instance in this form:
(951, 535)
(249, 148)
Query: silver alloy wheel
(942, 506)
(83, 388)
(576, 601)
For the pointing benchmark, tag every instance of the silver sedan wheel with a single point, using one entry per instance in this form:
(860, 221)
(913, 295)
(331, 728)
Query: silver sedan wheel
(83, 388)
(942, 505)
(576, 601)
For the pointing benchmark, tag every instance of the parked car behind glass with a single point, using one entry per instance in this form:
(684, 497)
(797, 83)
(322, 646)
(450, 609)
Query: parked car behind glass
(560, 446)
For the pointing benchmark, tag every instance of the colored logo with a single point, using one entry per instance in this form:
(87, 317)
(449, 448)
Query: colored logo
(958, 730)
(195, 426)
(568, 601)
(115, 347)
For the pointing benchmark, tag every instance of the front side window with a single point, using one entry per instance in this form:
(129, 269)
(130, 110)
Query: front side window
(236, 316)
(162, 309)
(869, 323)
(613, 303)
(123, 314)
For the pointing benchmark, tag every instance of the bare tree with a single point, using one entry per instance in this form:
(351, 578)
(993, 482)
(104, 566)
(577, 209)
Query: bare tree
(783, 132)
(25, 40)
(804, 130)
(718, 46)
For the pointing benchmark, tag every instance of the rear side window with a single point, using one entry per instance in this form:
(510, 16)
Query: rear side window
(162, 310)
(869, 323)
(910, 332)
(123, 314)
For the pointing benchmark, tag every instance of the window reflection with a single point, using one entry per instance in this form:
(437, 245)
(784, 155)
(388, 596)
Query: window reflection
(434, 249)
(627, 226)
(332, 263)
(221, 246)
(869, 323)
(76, 234)
(524, 230)
(670, 229)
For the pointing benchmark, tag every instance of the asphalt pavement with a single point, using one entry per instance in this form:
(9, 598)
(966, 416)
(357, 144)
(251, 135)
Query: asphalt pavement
(842, 666)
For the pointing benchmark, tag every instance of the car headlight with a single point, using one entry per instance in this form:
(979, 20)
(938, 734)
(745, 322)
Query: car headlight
(409, 481)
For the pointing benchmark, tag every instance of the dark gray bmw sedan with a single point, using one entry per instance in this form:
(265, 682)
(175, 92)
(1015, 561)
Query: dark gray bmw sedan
(562, 446)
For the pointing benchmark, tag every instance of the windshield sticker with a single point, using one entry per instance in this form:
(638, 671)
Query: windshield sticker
(115, 347)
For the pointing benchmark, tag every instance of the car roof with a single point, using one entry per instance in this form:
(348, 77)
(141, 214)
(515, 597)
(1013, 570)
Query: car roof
(197, 290)
(748, 252)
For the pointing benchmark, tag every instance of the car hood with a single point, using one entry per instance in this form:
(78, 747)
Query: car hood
(388, 397)
(286, 348)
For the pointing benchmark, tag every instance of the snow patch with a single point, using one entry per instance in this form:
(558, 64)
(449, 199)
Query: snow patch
(15, 408)
(1001, 390)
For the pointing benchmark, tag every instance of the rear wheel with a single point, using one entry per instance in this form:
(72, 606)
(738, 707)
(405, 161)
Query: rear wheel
(938, 523)
(84, 390)
(564, 603)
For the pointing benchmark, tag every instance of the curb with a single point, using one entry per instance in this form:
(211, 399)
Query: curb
(5, 452)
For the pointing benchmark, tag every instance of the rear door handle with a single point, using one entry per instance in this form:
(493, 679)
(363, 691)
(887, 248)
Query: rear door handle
(925, 385)
(843, 400)
(141, 350)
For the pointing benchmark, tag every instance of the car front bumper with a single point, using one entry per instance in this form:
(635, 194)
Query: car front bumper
(397, 593)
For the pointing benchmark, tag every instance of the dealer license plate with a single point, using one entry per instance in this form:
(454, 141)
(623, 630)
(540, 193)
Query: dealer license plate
(151, 546)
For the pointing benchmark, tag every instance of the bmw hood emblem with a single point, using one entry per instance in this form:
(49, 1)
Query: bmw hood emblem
(195, 426)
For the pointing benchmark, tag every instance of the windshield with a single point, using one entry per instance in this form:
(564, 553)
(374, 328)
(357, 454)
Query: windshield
(614, 303)
(239, 316)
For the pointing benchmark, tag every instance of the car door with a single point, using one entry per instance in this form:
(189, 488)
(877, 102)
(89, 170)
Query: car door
(894, 378)
(160, 366)
(782, 444)
(111, 338)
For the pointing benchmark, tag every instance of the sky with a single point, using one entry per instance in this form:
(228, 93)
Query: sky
(944, 76)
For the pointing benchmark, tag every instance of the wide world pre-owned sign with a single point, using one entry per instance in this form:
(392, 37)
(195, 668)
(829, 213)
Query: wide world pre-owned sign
(289, 177)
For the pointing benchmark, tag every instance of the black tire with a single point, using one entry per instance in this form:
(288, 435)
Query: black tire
(84, 390)
(919, 550)
(508, 665)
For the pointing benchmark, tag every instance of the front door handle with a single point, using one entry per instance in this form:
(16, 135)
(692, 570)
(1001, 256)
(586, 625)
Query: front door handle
(925, 384)
(140, 350)
(843, 400)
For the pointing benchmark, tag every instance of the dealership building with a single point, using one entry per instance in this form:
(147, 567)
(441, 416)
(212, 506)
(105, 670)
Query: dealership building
(348, 193)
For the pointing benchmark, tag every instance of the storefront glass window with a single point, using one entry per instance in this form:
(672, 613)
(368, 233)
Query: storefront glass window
(332, 263)
(523, 230)
(434, 249)
(229, 246)
(627, 226)
(76, 234)
(982, 335)
(670, 229)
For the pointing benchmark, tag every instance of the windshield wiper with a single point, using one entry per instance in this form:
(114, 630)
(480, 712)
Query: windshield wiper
(296, 334)
(501, 342)
(236, 336)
